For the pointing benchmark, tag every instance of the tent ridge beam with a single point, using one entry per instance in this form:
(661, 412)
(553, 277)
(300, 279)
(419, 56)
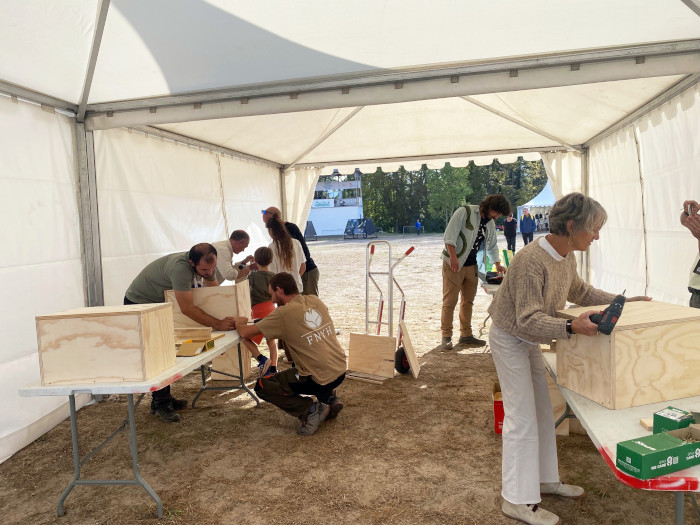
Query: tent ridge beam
(383, 77)
(184, 139)
(495, 153)
(647, 108)
(103, 8)
(520, 123)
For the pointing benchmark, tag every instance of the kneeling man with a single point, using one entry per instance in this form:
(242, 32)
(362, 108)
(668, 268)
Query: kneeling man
(302, 321)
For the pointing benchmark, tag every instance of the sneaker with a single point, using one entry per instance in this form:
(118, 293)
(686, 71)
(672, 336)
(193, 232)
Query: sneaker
(447, 343)
(562, 489)
(261, 363)
(167, 414)
(471, 340)
(314, 420)
(335, 407)
(532, 514)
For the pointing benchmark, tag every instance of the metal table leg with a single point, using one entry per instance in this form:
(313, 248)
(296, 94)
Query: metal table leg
(242, 386)
(567, 414)
(680, 518)
(77, 462)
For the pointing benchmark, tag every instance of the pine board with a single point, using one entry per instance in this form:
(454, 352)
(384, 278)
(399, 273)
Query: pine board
(372, 354)
(410, 351)
(217, 301)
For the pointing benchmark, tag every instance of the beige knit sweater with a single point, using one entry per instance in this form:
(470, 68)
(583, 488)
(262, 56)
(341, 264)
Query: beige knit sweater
(534, 288)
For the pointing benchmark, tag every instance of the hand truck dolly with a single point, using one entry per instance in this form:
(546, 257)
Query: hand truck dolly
(400, 361)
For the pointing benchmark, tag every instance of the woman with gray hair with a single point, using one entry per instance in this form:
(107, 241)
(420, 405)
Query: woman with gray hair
(524, 311)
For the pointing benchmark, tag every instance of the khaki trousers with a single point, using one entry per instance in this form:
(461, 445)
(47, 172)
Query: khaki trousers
(465, 281)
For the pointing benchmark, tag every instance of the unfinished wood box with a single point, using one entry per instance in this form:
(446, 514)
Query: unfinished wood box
(228, 363)
(217, 301)
(651, 356)
(106, 344)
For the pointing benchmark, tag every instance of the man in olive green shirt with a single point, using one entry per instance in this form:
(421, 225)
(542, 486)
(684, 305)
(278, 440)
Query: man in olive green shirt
(309, 335)
(179, 272)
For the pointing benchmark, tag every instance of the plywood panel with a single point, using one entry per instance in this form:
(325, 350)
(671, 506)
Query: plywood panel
(217, 301)
(100, 311)
(199, 333)
(372, 354)
(585, 365)
(104, 348)
(657, 363)
(640, 314)
(410, 351)
(228, 362)
(158, 341)
(243, 299)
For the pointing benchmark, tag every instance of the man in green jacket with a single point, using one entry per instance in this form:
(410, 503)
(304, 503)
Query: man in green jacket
(469, 228)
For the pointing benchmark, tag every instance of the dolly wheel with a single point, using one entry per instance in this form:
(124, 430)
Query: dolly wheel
(401, 361)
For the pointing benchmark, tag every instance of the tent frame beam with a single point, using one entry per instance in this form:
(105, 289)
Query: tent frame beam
(647, 108)
(388, 160)
(36, 97)
(374, 78)
(694, 5)
(102, 10)
(89, 216)
(189, 141)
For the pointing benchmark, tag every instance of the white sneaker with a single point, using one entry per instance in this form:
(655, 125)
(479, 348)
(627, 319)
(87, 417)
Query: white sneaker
(562, 489)
(532, 514)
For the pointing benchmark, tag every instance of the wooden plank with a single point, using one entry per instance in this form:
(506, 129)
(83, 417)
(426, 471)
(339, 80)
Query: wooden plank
(367, 378)
(202, 332)
(585, 365)
(214, 336)
(410, 351)
(640, 314)
(647, 423)
(217, 301)
(99, 311)
(243, 299)
(558, 406)
(656, 363)
(158, 341)
(372, 354)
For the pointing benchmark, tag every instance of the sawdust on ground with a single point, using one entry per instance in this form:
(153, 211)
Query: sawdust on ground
(406, 452)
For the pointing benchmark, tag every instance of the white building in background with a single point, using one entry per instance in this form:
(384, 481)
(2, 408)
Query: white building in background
(335, 203)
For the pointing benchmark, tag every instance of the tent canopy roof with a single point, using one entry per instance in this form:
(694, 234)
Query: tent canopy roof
(331, 84)
(543, 198)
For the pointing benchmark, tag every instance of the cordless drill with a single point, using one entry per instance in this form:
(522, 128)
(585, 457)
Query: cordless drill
(607, 320)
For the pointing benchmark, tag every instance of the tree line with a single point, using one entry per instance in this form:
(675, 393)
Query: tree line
(397, 199)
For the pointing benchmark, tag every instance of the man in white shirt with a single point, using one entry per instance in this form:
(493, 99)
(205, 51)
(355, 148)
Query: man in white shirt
(226, 269)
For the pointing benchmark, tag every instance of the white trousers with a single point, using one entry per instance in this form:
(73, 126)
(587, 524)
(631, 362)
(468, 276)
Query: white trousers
(529, 440)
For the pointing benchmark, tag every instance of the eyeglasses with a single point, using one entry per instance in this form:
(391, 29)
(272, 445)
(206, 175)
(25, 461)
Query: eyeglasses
(264, 212)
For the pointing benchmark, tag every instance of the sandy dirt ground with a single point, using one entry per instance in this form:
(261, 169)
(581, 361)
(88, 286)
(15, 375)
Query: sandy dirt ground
(405, 452)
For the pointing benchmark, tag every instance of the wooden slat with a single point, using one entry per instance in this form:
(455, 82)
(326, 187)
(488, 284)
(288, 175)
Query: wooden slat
(367, 378)
(372, 354)
(641, 314)
(202, 332)
(99, 311)
(410, 351)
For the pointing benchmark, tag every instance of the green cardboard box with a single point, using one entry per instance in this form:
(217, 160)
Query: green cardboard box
(671, 418)
(658, 454)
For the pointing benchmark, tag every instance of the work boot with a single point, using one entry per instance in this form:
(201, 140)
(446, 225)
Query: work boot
(471, 341)
(447, 343)
(562, 489)
(314, 419)
(532, 514)
(167, 414)
(335, 406)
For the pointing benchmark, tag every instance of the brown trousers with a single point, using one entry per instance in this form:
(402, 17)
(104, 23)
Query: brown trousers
(466, 282)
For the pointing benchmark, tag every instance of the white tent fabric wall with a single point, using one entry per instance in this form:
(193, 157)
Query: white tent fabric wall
(617, 259)
(299, 191)
(155, 197)
(670, 155)
(563, 171)
(41, 270)
(670, 160)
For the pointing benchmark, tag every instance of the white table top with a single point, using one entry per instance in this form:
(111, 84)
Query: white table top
(607, 427)
(183, 366)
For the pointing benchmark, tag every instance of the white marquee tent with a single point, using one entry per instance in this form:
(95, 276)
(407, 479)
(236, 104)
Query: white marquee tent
(539, 205)
(134, 128)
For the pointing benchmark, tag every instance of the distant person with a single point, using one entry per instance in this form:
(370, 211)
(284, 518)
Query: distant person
(418, 226)
(524, 314)
(226, 269)
(510, 230)
(312, 274)
(307, 329)
(469, 228)
(262, 306)
(691, 220)
(527, 226)
(180, 272)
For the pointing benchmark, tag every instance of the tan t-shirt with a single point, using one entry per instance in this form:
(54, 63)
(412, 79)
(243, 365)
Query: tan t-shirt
(308, 332)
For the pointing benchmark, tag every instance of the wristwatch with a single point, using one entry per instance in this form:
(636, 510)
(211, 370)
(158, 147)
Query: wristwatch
(569, 329)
